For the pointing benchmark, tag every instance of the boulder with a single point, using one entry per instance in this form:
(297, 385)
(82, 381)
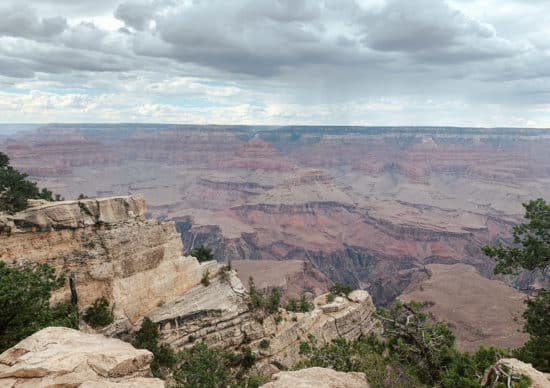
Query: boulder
(359, 296)
(59, 356)
(318, 378)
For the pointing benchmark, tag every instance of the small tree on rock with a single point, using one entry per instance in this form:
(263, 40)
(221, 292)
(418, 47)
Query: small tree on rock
(16, 189)
(25, 293)
(202, 253)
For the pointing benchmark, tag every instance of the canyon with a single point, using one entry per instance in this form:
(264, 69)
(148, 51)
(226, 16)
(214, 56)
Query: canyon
(108, 249)
(371, 207)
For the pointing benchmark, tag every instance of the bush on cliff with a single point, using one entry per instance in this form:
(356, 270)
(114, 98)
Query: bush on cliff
(267, 301)
(339, 289)
(202, 253)
(15, 188)
(25, 292)
(413, 352)
(416, 341)
(147, 338)
(203, 366)
(99, 314)
(301, 305)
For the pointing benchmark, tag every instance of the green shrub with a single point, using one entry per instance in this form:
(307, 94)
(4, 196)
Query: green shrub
(302, 305)
(417, 342)
(201, 366)
(260, 300)
(361, 355)
(292, 305)
(464, 369)
(16, 189)
(246, 359)
(274, 301)
(340, 290)
(99, 314)
(205, 281)
(202, 253)
(224, 274)
(256, 300)
(535, 351)
(25, 292)
(330, 297)
(264, 344)
(89, 245)
(147, 338)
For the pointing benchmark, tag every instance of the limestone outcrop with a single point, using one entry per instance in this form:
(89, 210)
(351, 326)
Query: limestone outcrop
(220, 316)
(318, 378)
(109, 248)
(62, 357)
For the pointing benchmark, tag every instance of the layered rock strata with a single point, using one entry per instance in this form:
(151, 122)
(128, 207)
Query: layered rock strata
(109, 248)
(220, 316)
(62, 357)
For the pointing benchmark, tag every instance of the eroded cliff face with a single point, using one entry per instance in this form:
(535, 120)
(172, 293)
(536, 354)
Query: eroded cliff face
(109, 248)
(370, 207)
(220, 316)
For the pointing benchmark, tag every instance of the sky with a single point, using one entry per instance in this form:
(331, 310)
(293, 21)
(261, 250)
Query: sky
(276, 62)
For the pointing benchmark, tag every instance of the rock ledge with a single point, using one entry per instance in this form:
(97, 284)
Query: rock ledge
(58, 356)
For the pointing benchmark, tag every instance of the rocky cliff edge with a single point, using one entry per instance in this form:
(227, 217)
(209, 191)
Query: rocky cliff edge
(110, 250)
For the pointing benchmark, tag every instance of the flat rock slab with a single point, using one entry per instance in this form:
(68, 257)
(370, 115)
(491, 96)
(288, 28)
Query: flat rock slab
(66, 357)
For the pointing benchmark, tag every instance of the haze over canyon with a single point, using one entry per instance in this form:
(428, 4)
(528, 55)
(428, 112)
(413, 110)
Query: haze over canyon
(373, 207)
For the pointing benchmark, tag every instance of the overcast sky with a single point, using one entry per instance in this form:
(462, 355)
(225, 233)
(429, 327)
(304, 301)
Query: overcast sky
(362, 62)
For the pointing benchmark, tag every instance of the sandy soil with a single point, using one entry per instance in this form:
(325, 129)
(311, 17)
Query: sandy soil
(479, 310)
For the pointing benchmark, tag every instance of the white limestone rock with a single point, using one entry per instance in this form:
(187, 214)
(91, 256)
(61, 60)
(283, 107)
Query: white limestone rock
(59, 356)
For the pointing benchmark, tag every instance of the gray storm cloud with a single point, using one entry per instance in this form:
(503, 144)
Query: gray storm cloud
(423, 55)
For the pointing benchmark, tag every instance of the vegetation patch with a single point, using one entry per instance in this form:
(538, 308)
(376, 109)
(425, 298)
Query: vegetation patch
(25, 292)
(147, 338)
(99, 314)
(16, 189)
(267, 301)
(205, 281)
(301, 305)
(202, 253)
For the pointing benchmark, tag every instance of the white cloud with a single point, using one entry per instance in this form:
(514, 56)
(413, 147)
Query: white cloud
(455, 62)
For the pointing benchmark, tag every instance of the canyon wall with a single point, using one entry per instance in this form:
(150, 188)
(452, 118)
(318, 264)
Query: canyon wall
(371, 207)
(108, 247)
(110, 250)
